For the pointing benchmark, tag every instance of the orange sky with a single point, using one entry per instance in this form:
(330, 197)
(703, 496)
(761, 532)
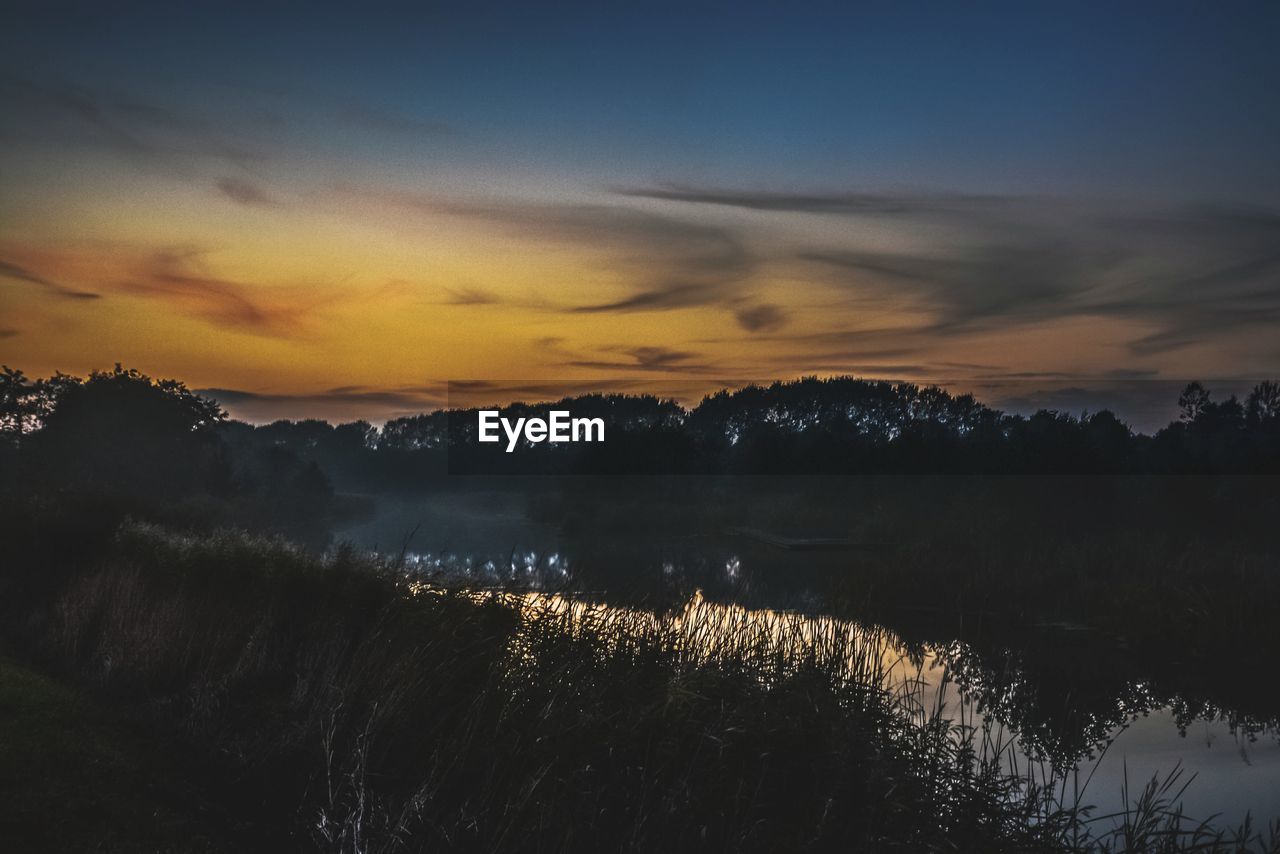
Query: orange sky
(322, 287)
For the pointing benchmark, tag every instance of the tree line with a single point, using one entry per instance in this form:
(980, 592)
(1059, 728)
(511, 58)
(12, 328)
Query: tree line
(158, 438)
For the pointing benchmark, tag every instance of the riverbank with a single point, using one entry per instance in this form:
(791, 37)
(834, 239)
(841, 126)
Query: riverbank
(347, 712)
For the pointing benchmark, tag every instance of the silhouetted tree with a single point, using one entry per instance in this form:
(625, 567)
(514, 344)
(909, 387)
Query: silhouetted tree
(1192, 401)
(121, 432)
(1263, 403)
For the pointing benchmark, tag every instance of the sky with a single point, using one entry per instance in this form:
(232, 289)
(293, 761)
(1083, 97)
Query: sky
(318, 211)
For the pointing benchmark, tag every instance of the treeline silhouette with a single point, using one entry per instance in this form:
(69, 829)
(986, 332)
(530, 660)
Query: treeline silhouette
(808, 426)
(123, 432)
(119, 444)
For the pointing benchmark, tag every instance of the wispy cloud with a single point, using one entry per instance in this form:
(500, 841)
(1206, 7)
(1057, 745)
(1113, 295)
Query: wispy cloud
(991, 263)
(649, 358)
(16, 272)
(977, 284)
(858, 203)
(179, 276)
(470, 296)
(244, 192)
(1187, 275)
(45, 111)
(765, 317)
(671, 262)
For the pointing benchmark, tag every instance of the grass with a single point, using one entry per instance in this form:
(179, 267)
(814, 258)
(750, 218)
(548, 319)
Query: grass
(74, 776)
(336, 706)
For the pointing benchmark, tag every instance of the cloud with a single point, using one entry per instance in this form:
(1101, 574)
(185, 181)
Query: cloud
(670, 262)
(656, 357)
(56, 111)
(222, 301)
(870, 204)
(469, 296)
(670, 295)
(9, 333)
(244, 192)
(1189, 275)
(765, 317)
(675, 263)
(967, 263)
(649, 358)
(977, 284)
(9, 270)
(180, 276)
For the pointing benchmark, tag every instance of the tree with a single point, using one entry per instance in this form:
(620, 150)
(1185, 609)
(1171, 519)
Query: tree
(16, 406)
(1193, 402)
(121, 432)
(1263, 403)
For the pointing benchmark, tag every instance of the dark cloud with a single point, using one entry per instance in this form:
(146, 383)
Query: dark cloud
(675, 263)
(469, 296)
(662, 359)
(874, 204)
(654, 357)
(766, 317)
(669, 295)
(978, 284)
(1190, 274)
(9, 270)
(244, 192)
(1193, 275)
(9, 333)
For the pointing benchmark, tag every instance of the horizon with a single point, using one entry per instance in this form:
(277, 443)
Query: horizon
(1143, 413)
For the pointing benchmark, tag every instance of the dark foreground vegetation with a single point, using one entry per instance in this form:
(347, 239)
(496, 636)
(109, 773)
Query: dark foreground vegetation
(328, 704)
(266, 695)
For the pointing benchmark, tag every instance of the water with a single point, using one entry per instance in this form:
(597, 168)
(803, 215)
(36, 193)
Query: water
(1061, 692)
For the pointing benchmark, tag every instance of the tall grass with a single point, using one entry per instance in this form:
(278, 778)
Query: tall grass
(345, 706)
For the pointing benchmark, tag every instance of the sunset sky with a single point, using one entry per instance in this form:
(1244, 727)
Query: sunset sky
(332, 213)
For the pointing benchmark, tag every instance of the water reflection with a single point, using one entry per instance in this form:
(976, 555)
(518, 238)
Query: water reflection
(1073, 697)
(1144, 736)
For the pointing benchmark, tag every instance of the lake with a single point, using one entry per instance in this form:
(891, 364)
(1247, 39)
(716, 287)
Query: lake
(775, 555)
